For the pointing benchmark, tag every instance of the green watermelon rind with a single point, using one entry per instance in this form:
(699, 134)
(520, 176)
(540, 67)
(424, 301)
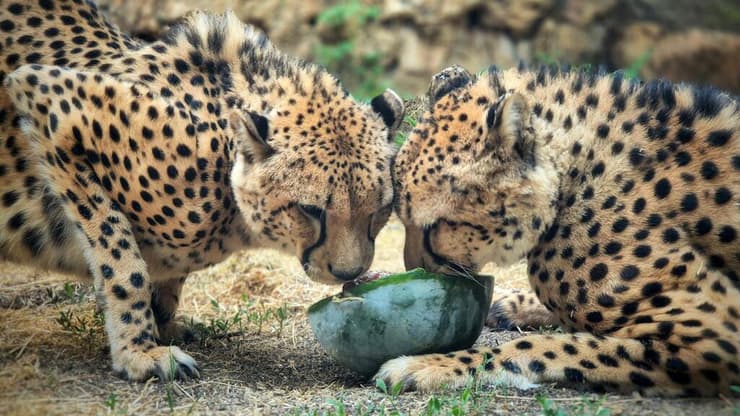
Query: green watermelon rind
(404, 314)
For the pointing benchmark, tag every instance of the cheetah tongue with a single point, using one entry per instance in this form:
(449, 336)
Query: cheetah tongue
(365, 278)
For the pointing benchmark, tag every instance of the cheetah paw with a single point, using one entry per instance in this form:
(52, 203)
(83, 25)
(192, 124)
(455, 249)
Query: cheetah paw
(419, 373)
(165, 363)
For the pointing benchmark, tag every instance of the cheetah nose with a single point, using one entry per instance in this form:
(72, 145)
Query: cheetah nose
(345, 275)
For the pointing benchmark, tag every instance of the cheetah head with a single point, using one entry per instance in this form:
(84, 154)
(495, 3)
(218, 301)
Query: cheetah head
(313, 175)
(467, 180)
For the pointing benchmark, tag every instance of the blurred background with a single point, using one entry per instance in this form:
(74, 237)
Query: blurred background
(372, 45)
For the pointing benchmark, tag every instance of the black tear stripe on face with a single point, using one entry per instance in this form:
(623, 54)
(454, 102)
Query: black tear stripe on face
(372, 219)
(428, 247)
(322, 237)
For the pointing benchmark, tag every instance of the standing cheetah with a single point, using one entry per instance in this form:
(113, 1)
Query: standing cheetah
(624, 199)
(135, 164)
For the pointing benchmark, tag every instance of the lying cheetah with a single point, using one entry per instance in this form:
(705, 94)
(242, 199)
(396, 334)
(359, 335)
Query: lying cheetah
(624, 199)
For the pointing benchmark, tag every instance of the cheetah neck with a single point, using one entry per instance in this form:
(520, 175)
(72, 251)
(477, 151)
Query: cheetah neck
(566, 136)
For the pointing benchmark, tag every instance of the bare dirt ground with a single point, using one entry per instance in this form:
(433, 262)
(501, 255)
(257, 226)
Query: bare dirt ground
(53, 358)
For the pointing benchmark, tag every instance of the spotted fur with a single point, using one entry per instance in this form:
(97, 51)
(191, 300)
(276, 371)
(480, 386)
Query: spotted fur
(137, 163)
(625, 200)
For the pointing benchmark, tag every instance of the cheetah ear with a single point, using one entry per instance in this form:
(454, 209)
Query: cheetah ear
(509, 130)
(447, 80)
(390, 107)
(252, 132)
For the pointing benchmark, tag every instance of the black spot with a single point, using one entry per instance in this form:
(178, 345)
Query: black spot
(719, 137)
(511, 367)
(594, 317)
(660, 301)
(607, 360)
(636, 156)
(137, 280)
(119, 292)
(602, 131)
(605, 300)
(523, 345)
(689, 203)
(682, 158)
(598, 169)
(670, 235)
(84, 211)
(537, 366)
(629, 272)
(617, 148)
(727, 346)
(194, 217)
(183, 150)
(613, 248)
(722, 196)
(727, 234)
(34, 240)
(10, 198)
(638, 205)
(620, 225)
(709, 170)
(106, 271)
(598, 272)
(630, 308)
(642, 251)
(640, 379)
(703, 226)
(660, 263)
(573, 375)
(662, 188)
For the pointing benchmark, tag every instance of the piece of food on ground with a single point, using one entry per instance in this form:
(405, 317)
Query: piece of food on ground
(386, 316)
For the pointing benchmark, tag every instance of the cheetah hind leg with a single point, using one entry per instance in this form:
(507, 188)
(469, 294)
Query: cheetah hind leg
(600, 363)
(173, 328)
(514, 309)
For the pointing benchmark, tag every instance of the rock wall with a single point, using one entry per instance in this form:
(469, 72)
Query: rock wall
(409, 40)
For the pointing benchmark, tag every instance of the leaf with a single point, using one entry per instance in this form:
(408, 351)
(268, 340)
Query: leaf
(380, 384)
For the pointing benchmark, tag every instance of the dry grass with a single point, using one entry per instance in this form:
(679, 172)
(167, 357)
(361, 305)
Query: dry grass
(45, 369)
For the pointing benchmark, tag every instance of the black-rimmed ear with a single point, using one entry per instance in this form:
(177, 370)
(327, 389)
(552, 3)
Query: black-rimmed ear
(509, 131)
(390, 107)
(447, 80)
(252, 134)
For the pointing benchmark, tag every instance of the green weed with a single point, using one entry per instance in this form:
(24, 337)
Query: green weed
(342, 13)
(361, 71)
(249, 316)
(70, 293)
(633, 71)
(88, 330)
(411, 122)
(111, 402)
(585, 407)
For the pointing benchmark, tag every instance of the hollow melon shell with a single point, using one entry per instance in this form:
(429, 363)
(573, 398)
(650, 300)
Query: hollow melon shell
(403, 314)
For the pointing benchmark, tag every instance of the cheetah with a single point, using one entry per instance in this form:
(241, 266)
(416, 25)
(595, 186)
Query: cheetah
(624, 198)
(134, 163)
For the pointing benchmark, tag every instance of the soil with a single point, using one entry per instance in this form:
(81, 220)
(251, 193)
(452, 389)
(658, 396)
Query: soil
(50, 368)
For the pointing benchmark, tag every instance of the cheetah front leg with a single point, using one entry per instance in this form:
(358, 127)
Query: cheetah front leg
(602, 363)
(65, 154)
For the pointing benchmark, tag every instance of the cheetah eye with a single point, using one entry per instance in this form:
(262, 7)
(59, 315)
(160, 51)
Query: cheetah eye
(311, 211)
